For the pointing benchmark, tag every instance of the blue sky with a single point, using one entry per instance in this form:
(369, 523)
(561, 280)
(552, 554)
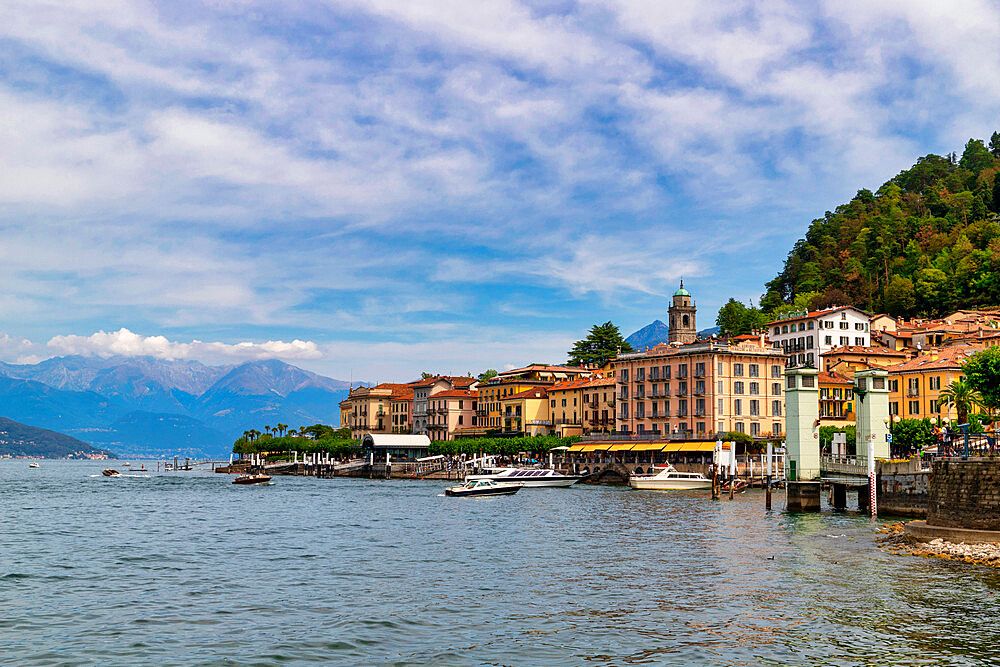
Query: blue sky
(375, 188)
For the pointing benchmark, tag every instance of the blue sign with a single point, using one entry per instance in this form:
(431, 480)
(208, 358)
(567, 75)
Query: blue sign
(888, 437)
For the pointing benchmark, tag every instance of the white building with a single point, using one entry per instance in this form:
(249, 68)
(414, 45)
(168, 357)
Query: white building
(805, 336)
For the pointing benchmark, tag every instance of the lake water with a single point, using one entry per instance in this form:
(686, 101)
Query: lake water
(185, 568)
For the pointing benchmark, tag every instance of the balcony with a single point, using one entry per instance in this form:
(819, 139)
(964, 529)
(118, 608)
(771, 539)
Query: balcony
(911, 392)
(699, 413)
(680, 392)
(660, 415)
(659, 394)
(539, 422)
(568, 422)
(698, 374)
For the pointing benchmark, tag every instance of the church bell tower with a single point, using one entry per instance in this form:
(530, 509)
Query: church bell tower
(682, 311)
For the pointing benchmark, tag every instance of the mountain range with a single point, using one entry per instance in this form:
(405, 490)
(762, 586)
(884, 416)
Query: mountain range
(17, 439)
(139, 406)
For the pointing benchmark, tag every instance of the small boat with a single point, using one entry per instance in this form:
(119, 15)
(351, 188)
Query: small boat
(527, 477)
(252, 479)
(110, 472)
(34, 464)
(738, 485)
(482, 487)
(668, 478)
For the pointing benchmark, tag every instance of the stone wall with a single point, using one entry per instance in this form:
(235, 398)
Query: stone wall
(965, 494)
(904, 494)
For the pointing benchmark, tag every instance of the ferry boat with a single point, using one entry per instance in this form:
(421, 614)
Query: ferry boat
(668, 478)
(527, 477)
(482, 487)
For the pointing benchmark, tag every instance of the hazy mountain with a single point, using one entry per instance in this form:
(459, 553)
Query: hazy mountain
(144, 405)
(17, 439)
(652, 334)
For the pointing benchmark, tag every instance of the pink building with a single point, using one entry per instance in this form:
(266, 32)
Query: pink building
(450, 410)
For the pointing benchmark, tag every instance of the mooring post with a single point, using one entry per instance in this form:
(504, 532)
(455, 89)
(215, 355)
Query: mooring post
(732, 469)
(871, 475)
(767, 497)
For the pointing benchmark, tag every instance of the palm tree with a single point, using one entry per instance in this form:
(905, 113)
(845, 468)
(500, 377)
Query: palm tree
(267, 429)
(280, 428)
(960, 394)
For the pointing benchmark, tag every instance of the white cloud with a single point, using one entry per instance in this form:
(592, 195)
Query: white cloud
(126, 343)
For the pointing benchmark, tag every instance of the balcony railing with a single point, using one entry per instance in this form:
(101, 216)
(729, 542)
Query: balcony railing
(910, 393)
(539, 422)
(660, 415)
(659, 394)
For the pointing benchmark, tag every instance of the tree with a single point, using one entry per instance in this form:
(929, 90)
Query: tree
(425, 375)
(488, 374)
(975, 157)
(995, 145)
(982, 372)
(960, 394)
(604, 342)
(280, 429)
(912, 435)
(996, 193)
(899, 297)
(735, 319)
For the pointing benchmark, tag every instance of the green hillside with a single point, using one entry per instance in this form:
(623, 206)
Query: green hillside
(17, 439)
(925, 243)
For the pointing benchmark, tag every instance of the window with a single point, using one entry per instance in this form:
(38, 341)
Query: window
(914, 407)
(845, 325)
(893, 408)
(775, 371)
(777, 330)
(720, 410)
(809, 343)
(738, 370)
(682, 408)
(624, 414)
(935, 408)
(721, 386)
(754, 371)
(775, 428)
(640, 410)
(699, 407)
(934, 383)
(699, 387)
(775, 408)
(666, 372)
(845, 340)
(722, 369)
(754, 408)
(810, 324)
(828, 324)
(737, 387)
(624, 375)
(701, 427)
(790, 382)
(893, 385)
(754, 429)
(859, 326)
(738, 427)
(860, 342)
(460, 420)
(682, 370)
(776, 388)
(808, 381)
(737, 406)
(682, 387)
(564, 400)
(828, 340)
(754, 387)
(784, 329)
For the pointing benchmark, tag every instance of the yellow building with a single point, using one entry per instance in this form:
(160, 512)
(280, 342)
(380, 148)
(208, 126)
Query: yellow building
(527, 412)
(915, 385)
(401, 409)
(368, 409)
(566, 408)
(491, 393)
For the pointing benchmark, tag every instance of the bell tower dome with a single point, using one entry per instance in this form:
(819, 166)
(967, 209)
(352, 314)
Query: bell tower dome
(683, 328)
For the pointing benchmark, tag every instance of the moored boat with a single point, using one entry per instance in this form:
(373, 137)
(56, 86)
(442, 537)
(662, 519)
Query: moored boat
(532, 477)
(111, 472)
(252, 479)
(668, 479)
(482, 487)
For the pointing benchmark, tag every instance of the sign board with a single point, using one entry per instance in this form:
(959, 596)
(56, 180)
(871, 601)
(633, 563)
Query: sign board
(888, 438)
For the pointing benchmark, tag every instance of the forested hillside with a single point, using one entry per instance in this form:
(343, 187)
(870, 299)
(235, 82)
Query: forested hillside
(925, 243)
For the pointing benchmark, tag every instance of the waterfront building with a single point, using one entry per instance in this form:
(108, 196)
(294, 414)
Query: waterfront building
(804, 336)
(848, 359)
(449, 411)
(708, 387)
(915, 385)
(424, 389)
(527, 412)
(492, 392)
(836, 399)
(599, 405)
(400, 407)
(681, 315)
(367, 409)
(566, 406)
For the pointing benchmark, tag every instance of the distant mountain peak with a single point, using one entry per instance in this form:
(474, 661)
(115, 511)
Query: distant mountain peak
(654, 333)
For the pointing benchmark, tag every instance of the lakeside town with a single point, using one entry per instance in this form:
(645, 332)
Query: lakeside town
(698, 388)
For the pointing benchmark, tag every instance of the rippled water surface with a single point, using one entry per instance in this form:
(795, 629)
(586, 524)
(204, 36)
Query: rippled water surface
(185, 568)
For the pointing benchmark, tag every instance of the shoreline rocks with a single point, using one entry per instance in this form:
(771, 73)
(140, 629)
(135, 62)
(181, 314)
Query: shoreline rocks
(896, 542)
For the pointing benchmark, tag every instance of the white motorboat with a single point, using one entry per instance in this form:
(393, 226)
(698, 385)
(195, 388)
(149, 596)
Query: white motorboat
(532, 477)
(668, 478)
(34, 464)
(482, 487)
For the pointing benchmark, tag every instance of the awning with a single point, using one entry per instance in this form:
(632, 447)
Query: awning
(577, 448)
(674, 447)
(648, 447)
(594, 448)
(620, 448)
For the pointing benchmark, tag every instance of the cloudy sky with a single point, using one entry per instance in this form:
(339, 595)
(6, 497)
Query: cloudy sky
(370, 188)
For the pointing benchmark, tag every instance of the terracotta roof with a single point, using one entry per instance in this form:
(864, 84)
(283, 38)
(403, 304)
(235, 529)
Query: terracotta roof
(871, 351)
(816, 313)
(568, 384)
(937, 358)
(454, 393)
(545, 368)
(405, 396)
(527, 393)
(601, 382)
(832, 378)
(457, 380)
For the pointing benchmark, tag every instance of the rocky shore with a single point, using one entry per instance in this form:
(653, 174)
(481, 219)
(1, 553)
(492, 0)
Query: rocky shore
(893, 540)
